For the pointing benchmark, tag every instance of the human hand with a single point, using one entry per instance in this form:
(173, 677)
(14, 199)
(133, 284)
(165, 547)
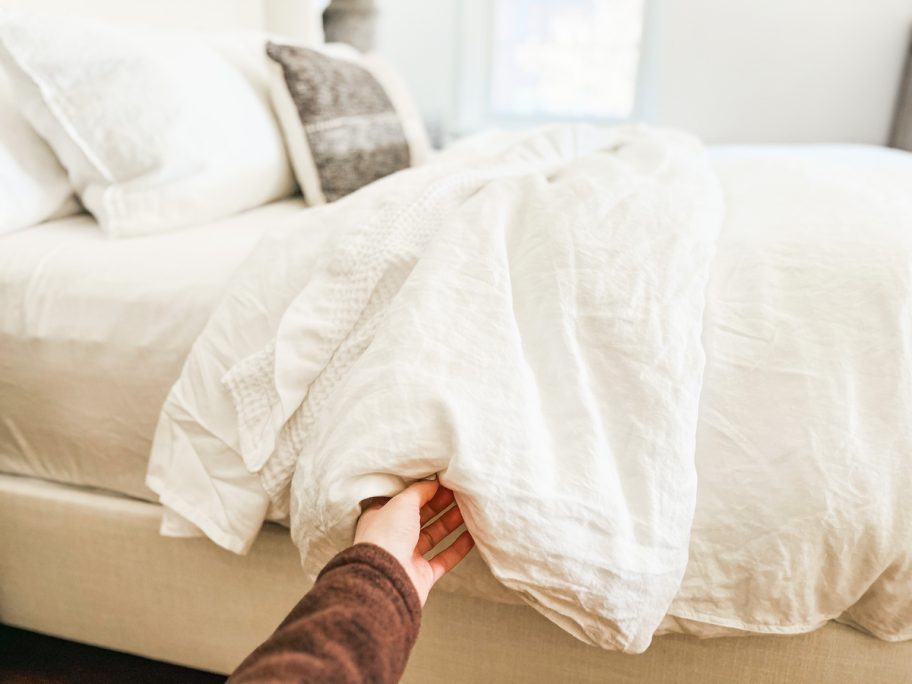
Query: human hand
(397, 526)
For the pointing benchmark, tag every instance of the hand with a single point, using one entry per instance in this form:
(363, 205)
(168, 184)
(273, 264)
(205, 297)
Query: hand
(396, 527)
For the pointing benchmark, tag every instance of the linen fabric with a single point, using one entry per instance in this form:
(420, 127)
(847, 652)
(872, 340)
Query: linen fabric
(804, 446)
(348, 118)
(801, 446)
(575, 262)
(156, 130)
(33, 185)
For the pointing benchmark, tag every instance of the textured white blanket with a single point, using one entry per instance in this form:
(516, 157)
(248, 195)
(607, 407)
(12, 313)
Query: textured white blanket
(524, 317)
(528, 327)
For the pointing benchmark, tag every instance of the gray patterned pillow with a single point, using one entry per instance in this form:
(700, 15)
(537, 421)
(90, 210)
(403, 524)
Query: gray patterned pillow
(346, 119)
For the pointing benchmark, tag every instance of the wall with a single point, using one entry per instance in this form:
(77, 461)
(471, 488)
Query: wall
(729, 70)
(299, 19)
(196, 14)
(422, 39)
(776, 70)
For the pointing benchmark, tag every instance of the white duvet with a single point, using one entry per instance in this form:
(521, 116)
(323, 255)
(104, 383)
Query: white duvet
(525, 318)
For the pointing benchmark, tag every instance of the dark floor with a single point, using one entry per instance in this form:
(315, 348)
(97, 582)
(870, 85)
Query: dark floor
(29, 658)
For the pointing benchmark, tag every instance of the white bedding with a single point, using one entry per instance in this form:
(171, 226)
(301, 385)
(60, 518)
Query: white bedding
(562, 406)
(156, 130)
(802, 445)
(93, 333)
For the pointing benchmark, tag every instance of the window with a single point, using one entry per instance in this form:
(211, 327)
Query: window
(524, 62)
(564, 58)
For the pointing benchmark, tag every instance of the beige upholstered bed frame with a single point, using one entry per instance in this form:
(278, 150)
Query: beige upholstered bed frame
(90, 566)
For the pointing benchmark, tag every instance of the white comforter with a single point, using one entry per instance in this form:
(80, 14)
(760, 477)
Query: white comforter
(524, 318)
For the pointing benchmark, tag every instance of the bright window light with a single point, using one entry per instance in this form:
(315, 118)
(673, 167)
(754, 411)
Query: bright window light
(565, 58)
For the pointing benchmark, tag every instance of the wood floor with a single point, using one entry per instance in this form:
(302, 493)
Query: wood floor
(29, 658)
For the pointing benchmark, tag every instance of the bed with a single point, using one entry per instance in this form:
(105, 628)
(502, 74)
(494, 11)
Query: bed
(81, 555)
(85, 363)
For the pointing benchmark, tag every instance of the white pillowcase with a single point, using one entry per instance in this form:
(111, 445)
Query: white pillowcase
(156, 130)
(33, 184)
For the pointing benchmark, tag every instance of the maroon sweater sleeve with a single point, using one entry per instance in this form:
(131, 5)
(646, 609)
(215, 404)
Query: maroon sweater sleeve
(357, 624)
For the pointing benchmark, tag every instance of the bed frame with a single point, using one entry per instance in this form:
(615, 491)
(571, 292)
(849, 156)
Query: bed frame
(90, 566)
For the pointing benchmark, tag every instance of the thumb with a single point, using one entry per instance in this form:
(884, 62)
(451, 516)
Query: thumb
(418, 493)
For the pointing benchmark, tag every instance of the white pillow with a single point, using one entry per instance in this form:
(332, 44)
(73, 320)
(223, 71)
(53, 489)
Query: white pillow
(33, 184)
(348, 118)
(156, 130)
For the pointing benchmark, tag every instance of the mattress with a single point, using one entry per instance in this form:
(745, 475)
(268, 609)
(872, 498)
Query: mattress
(94, 331)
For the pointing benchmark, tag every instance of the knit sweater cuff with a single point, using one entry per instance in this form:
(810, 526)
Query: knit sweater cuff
(385, 563)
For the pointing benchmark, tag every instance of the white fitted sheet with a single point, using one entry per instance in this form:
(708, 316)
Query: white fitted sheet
(94, 331)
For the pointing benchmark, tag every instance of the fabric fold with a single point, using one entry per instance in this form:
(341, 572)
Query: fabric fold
(527, 317)
(530, 330)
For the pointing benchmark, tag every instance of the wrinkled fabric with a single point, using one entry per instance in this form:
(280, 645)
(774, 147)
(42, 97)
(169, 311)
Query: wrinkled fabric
(804, 446)
(802, 442)
(528, 328)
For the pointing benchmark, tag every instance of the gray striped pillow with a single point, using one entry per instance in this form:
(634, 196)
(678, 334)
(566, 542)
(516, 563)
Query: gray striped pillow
(342, 123)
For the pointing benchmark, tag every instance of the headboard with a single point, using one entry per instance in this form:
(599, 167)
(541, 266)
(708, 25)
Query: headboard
(299, 19)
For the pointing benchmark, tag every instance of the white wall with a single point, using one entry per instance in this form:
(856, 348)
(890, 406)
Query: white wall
(300, 19)
(729, 70)
(422, 39)
(194, 14)
(776, 70)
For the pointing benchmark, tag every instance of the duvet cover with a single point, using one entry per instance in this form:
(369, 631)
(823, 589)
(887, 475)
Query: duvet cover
(670, 393)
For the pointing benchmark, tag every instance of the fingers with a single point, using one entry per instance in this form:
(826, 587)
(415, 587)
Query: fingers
(418, 493)
(438, 530)
(439, 502)
(447, 559)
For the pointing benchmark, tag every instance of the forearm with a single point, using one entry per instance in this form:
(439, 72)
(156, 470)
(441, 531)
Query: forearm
(358, 623)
